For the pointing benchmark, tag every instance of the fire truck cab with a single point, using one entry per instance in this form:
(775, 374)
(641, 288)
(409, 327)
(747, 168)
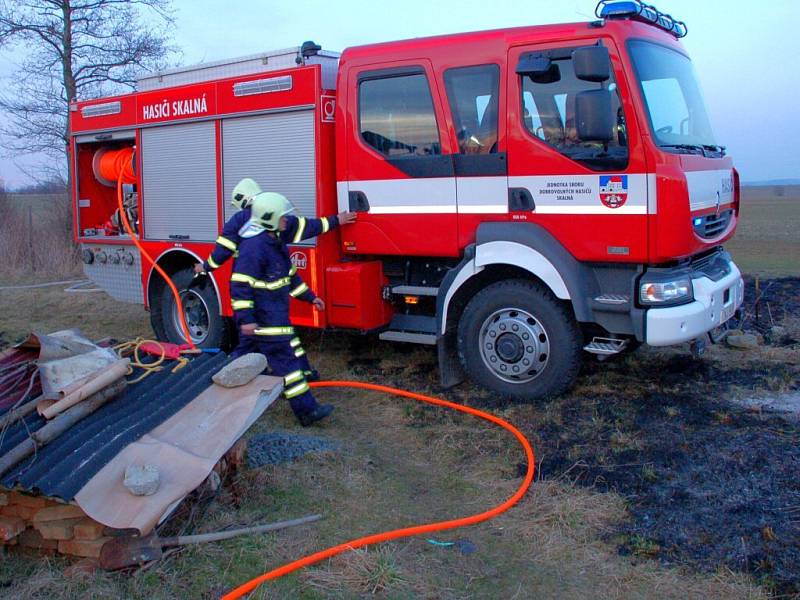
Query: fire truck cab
(523, 195)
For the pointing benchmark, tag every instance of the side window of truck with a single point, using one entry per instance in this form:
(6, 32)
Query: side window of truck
(548, 112)
(473, 93)
(396, 115)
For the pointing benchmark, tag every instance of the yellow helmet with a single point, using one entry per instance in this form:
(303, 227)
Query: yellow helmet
(244, 192)
(268, 208)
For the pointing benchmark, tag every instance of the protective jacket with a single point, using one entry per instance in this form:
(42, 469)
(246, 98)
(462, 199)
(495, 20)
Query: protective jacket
(264, 278)
(228, 241)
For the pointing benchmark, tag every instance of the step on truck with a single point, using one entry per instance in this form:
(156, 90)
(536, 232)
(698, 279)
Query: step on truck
(524, 195)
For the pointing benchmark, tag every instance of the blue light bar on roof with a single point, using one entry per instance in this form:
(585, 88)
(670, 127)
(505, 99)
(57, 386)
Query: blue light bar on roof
(639, 11)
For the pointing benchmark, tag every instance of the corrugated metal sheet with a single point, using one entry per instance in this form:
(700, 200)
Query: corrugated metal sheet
(277, 150)
(62, 467)
(180, 182)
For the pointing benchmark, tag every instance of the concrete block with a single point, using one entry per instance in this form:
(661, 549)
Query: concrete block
(241, 371)
(141, 480)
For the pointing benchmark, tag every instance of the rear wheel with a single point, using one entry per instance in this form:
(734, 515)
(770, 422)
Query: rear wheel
(515, 338)
(207, 327)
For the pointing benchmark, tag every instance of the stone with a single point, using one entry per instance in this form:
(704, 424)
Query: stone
(241, 371)
(142, 480)
(745, 341)
(17, 510)
(28, 501)
(57, 513)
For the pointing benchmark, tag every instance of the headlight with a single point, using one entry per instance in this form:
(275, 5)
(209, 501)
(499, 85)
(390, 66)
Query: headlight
(676, 291)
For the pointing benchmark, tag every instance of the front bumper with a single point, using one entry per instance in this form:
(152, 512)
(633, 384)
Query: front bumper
(714, 303)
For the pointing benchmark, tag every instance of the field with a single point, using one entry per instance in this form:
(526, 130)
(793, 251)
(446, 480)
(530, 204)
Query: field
(767, 241)
(651, 482)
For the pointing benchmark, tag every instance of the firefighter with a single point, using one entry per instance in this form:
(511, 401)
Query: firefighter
(227, 243)
(262, 283)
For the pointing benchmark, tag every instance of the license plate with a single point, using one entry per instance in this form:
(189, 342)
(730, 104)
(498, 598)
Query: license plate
(726, 313)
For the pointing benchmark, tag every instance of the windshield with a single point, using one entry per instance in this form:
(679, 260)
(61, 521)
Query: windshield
(674, 102)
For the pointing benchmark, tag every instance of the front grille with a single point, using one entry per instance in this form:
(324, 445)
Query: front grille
(711, 226)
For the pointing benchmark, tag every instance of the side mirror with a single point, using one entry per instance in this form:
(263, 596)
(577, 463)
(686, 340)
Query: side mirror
(594, 120)
(539, 68)
(592, 63)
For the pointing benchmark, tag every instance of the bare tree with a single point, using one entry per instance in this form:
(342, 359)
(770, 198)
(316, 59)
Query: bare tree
(73, 49)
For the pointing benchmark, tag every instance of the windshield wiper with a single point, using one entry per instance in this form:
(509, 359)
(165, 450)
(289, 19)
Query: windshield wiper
(691, 148)
(714, 148)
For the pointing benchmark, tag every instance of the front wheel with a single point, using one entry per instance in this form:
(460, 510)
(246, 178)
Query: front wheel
(207, 327)
(515, 338)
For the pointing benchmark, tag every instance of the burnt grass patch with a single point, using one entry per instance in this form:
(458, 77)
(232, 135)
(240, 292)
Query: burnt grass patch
(708, 484)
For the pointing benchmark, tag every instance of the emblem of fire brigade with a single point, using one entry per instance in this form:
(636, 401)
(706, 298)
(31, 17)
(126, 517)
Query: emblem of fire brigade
(299, 259)
(613, 190)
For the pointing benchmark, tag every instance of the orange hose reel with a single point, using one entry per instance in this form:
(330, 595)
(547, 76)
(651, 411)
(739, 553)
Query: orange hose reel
(108, 165)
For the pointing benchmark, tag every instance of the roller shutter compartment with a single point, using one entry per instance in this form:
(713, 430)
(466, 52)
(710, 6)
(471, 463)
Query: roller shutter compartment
(278, 151)
(180, 182)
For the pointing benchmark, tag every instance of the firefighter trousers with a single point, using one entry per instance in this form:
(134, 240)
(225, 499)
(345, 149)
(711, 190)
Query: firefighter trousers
(286, 359)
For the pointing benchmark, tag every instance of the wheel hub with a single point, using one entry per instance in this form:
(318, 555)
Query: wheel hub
(195, 311)
(514, 345)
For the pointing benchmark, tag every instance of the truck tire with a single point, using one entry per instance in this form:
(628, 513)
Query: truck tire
(516, 339)
(207, 327)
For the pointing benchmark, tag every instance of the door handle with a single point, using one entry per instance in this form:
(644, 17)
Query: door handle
(358, 202)
(520, 199)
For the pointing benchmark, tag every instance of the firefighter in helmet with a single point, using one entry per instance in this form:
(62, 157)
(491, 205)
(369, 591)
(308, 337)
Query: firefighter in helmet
(228, 241)
(262, 283)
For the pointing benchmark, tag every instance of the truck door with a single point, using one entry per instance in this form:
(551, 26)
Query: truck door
(398, 177)
(479, 162)
(591, 194)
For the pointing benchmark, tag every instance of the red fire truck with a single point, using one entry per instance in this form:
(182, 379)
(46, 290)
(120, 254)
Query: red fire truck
(523, 195)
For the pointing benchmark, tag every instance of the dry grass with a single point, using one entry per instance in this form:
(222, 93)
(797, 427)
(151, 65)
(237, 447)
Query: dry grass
(36, 238)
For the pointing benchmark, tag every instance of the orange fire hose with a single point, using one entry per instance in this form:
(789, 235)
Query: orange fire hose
(123, 173)
(407, 531)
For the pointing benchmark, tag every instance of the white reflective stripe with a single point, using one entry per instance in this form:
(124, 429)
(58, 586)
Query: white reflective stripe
(583, 194)
(408, 196)
(299, 290)
(299, 352)
(419, 209)
(325, 225)
(273, 285)
(706, 188)
(296, 390)
(212, 263)
(293, 270)
(482, 195)
(274, 331)
(293, 377)
(226, 243)
(652, 194)
(295, 343)
(301, 227)
(242, 304)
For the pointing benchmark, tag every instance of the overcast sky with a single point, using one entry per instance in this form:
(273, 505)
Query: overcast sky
(747, 53)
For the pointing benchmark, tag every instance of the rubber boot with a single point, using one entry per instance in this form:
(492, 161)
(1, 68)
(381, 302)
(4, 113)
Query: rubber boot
(319, 413)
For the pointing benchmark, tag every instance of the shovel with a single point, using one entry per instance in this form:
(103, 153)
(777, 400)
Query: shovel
(121, 552)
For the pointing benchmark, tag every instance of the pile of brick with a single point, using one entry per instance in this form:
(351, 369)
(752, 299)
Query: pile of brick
(43, 526)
